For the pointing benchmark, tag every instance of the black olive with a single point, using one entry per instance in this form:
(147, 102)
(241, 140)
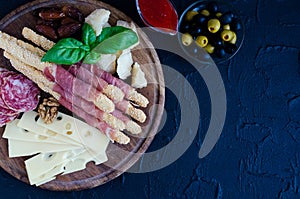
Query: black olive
(195, 31)
(185, 27)
(227, 17)
(213, 7)
(200, 7)
(217, 42)
(199, 19)
(230, 48)
(220, 52)
(235, 25)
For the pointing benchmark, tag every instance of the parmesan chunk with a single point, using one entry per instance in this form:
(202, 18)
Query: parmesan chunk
(97, 19)
(138, 77)
(124, 64)
(107, 62)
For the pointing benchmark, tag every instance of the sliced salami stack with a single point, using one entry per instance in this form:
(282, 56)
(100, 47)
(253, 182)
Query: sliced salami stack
(17, 94)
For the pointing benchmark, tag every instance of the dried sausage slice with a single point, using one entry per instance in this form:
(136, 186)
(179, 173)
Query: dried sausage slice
(6, 118)
(19, 93)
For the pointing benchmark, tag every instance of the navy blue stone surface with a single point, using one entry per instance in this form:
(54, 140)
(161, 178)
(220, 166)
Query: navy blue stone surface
(258, 154)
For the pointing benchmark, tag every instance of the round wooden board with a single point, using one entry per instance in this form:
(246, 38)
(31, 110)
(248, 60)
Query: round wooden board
(120, 157)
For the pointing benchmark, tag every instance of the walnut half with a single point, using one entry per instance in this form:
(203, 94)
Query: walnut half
(48, 109)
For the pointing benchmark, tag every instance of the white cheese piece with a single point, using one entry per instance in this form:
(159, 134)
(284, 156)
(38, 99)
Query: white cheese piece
(12, 131)
(78, 131)
(18, 148)
(43, 163)
(50, 175)
(97, 19)
(107, 62)
(130, 26)
(106, 25)
(79, 162)
(138, 77)
(29, 123)
(124, 64)
(45, 181)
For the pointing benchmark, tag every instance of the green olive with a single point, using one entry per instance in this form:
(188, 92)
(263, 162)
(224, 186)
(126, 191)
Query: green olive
(227, 35)
(213, 25)
(209, 48)
(226, 27)
(233, 40)
(190, 14)
(218, 14)
(205, 13)
(186, 39)
(201, 41)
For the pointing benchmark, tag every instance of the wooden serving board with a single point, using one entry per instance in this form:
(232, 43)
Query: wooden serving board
(120, 157)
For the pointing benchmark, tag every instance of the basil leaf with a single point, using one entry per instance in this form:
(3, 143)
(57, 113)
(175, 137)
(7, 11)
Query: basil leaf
(113, 39)
(67, 51)
(88, 34)
(91, 58)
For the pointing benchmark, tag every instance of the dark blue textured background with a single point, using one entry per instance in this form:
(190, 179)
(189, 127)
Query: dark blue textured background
(258, 154)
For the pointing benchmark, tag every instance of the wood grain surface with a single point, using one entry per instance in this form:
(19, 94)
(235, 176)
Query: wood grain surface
(120, 157)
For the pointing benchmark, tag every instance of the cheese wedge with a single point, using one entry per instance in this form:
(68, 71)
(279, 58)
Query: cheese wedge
(97, 19)
(124, 64)
(138, 77)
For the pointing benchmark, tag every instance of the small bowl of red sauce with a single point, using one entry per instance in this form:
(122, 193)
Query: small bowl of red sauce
(160, 15)
(213, 26)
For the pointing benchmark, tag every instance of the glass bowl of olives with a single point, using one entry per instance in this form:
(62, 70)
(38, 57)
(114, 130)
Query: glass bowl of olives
(213, 26)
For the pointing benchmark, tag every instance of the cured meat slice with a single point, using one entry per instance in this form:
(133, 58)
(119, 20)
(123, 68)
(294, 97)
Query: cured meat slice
(8, 112)
(19, 93)
(6, 118)
(4, 74)
(2, 69)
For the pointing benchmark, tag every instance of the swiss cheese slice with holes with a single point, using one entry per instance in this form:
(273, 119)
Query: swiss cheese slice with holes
(12, 131)
(17, 148)
(38, 166)
(48, 176)
(78, 131)
(79, 162)
(28, 122)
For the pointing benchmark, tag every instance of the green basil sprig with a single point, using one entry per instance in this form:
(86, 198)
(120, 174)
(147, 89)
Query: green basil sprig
(112, 39)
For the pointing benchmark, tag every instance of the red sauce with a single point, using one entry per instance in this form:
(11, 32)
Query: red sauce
(160, 14)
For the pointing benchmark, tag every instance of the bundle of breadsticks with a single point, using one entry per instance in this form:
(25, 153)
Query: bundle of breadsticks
(96, 96)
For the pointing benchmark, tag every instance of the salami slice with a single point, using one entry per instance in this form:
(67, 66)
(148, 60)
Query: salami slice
(2, 69)
(8, 112)
(4, 119)
(4, 74)
(19, 93)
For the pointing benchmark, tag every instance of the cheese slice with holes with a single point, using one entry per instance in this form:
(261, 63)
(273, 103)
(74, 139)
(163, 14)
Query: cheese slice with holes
(29, 122)
(79, 162)
(78, 131)
(50, 175)
(17, 148)
(43, 163)
(45, 181)
(12, 131)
